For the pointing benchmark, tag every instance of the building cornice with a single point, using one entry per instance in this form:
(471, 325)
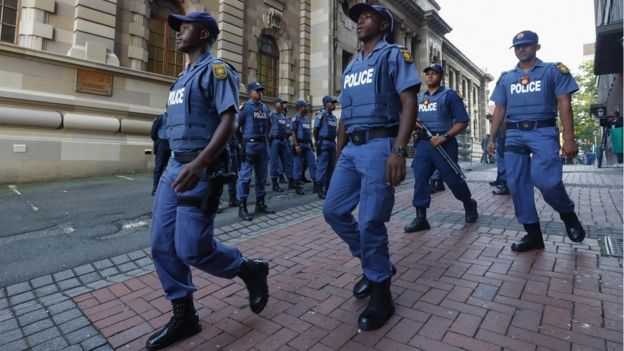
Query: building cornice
(436, 23)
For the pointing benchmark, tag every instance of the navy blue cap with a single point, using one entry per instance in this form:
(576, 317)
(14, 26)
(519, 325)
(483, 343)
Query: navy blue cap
(525, 37)
(201, 17)
(278, 100)
(300, 103)
(327, 99)
(434, 66)
(356, 10)
(254, 86)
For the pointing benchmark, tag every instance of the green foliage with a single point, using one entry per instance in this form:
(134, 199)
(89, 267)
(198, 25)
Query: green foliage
(584, 125)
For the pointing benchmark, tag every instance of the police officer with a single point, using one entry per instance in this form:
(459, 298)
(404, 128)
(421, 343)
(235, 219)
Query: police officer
(301, 134)
(325, 131)
(253, 125)
(444, 114)
(205, 96)
(529, 97)
(379, 105)
(161, 148)
(279, 131)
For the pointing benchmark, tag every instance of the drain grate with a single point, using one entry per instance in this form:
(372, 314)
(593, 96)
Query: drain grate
(613, 246)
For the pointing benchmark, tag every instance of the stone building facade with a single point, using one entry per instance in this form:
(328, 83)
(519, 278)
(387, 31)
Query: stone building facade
(82, 80)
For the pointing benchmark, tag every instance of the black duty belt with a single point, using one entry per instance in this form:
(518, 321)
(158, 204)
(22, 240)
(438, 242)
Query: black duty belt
(258, 139)
(277, 138)
(530, 125)
(185, 156)
(363, 136)
(326, 139)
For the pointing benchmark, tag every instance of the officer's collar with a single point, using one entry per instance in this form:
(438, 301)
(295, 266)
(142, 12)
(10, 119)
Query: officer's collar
(538, 63)
(205, 56)
(382, 44)
(253, 102)
(440, 89)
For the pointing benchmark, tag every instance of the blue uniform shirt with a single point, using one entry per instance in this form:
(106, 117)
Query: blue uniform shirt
(279, 125)
(328, 126)
(254, 119)
(301, 126)
(441, 109)
(371, 87)
(205, 90)
(533, 95)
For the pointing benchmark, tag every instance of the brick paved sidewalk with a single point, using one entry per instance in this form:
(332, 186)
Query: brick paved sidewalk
(458, 287)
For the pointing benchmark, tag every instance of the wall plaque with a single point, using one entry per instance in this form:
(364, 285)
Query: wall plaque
(92, 82)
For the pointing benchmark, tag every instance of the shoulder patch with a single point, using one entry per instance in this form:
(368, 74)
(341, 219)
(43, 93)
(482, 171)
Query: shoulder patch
(406, 55)
(219, 70)
(562, 68)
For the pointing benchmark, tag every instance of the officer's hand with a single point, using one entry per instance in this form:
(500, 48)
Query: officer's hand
(395, 170)
(438, 140)
(490, 147)
(189, 177)
(298, 150)
(569, 148)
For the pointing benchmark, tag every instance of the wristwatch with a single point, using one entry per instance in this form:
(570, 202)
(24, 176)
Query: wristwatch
(446, 135)
(401, 151)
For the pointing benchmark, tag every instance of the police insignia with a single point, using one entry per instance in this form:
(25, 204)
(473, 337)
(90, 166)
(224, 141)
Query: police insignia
(563, 68)
(520, 35)
(426, 102)
(407, 56)
(219, 70)
(524, 80)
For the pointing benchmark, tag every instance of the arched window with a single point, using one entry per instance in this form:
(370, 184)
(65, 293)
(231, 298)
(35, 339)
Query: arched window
(162, 56)
(8, 20)
(268, 65)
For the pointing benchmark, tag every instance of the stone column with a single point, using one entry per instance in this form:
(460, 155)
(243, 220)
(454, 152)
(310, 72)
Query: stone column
(33, 31)
(230, 43)
(139, 34)
(94, 31)
(304, 49)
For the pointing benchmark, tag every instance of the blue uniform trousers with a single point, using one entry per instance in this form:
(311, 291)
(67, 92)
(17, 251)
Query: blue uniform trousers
(500, 158)
(256, 159)
(436, 175)
(326, 162)
(426, 160)
(360, 177)
(281, 161)
(542, 169)
(183, 236)
(307, 156)
(234, 167)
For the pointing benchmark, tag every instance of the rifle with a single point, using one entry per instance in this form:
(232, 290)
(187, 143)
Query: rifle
(442, 152)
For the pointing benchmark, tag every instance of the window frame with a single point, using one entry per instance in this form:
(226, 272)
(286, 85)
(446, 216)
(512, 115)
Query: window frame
(271, 86)
(17, 20)
(163, 66)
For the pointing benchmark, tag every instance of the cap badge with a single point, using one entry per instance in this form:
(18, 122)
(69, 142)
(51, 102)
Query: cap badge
(520, 36)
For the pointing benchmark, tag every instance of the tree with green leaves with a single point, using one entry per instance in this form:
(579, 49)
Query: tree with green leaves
(584, 124)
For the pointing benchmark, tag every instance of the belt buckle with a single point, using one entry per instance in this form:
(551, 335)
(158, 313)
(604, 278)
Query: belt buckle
(526, 125)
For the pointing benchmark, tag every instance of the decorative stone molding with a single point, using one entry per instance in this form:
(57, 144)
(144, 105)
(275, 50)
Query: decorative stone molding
(272, 19)
(94, 31)
(33, 29)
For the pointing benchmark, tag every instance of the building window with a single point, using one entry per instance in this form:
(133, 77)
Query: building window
(268, 65)
(163, 58)
(8, 20)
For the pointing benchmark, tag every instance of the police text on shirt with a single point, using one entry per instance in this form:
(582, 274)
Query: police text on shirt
(531, 87)
(176, 97)
(359, 78)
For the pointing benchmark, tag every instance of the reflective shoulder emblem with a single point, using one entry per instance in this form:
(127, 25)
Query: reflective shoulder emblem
(406, 55)
(563, 68)
(219, 70)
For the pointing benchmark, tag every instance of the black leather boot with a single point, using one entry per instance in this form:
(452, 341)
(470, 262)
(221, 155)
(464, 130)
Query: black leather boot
(471, 211)
(573, 226)
(299, 188)
(380, 307)
(154, 189)
(261, 207)
(305, 180)
(501, 189)
(315, 187)
(419, 223)
(322, 191)
(183, 324)
(233, 201)
(242, 210)
(291, 184)
(438, 185)
(532, 241)
(276, 186)
(254, 273)
(362, 288)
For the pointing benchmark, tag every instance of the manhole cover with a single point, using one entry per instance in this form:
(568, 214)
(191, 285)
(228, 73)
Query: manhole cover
(613, 246)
